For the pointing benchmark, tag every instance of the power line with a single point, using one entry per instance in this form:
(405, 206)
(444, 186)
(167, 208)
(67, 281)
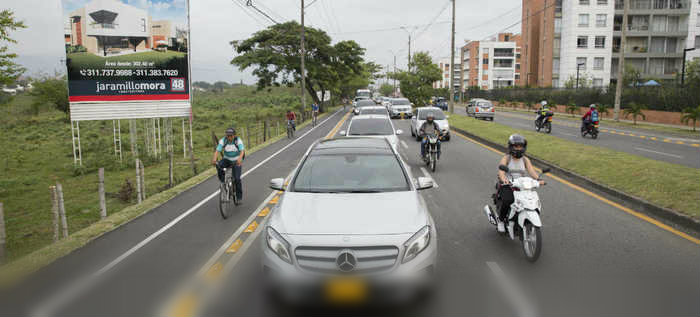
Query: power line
(433, 20)
(523, 19)
(391, 29)
(243, 8)
(249, 3)
(308, 5)
(268, 9)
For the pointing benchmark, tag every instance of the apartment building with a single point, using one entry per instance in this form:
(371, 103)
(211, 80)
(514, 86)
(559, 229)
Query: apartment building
(491, 64)
(694, 31)
(657, 33)
(444, 82)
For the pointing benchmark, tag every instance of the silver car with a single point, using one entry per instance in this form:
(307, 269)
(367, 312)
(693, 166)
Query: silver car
(351, 218)
(373, 126)
(481, 109)
(400, 107)
(439, 117)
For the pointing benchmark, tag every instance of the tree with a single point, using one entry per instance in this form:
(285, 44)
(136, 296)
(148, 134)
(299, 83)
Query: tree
(584, 81)
(603, 109)
(9, 70)
(631, 76)
(273, 53)
(51, 91)
(691, 114)
(636, 110)
(202, 84)
(572, 108)
(386, 89)
(417, 84)
(220, 86)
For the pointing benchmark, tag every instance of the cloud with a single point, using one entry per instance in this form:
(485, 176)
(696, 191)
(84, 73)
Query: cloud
(160, 6)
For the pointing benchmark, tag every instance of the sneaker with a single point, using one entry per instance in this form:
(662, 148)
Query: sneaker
(501, 226)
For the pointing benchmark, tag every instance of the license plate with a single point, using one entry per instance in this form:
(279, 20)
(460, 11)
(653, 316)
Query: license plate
(348, 290)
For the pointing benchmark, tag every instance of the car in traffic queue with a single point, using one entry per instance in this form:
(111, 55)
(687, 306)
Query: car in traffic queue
(440, 118)
(351, 226)
(373, 126)
(374, 110)
(481, 109)
(400, 107)
(361, 104)
(441, 103)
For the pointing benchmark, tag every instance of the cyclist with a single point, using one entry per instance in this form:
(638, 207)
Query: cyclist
(233, 152)
(291, 117)
(314, 111)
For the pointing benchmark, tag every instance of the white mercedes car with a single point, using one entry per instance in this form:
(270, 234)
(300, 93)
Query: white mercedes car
(373, 126)
(350, 227)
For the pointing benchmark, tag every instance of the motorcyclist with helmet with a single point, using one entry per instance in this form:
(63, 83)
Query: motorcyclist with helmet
(591, 117)
(518, 166)
(542, 112)
(429, 127)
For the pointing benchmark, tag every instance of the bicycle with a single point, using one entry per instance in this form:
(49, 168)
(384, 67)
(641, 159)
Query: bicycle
(227, 194)
(314, 117)
(290, 129)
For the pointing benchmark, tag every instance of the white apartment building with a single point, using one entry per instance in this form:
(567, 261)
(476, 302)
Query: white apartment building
(496, 64)
(694, 31)
(445, 68)
(583, 39)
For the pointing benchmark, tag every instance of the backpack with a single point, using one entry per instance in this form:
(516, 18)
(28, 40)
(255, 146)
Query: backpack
(594, 115)
(235, 142)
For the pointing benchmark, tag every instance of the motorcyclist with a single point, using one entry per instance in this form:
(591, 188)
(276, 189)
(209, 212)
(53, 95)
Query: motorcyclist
(429, 127)
(542, 112)
(291, 118)
(518, 166)
(591, 117)
(232, 154)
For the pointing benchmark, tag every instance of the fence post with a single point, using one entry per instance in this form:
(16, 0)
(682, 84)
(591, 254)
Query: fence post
(277, 128)
(62, 209)
(54, 211)
(138, 181)
(143, 180)
(264, 130)
(247, 135)
(2, 234)
(101, 190)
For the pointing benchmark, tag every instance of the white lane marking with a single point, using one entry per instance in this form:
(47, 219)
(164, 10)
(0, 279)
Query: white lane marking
(425, 172)
(511, 291)
(403, 143)
(59, 299)
(657, 152)
(569, 134)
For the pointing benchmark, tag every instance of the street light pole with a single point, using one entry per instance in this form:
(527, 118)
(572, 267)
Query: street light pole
(409, 47)
(686, 50)
(451, 102)
(303, 53)
(621, 62)
(578, 66)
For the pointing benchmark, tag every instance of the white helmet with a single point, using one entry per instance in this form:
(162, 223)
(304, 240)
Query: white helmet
(543, 103)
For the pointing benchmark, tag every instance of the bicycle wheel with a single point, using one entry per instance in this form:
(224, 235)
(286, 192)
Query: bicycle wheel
(232, 194)
(224, 201)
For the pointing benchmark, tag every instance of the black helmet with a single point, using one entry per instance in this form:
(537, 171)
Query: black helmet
(517, 139)
(230, 131)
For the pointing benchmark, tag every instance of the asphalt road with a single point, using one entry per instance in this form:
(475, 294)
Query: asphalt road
(596, 260)
(654, 145)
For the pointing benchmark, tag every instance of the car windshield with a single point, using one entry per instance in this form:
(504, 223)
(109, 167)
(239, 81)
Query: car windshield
(351, 173)
(378, 126)
(373, 111)
(400, 102)
(365, 103)
(484, 104)
(437, 114)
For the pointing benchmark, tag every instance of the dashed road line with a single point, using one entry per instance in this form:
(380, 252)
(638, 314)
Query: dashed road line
(511, 291)
(657, 152)
(425, 172)
(403, 143)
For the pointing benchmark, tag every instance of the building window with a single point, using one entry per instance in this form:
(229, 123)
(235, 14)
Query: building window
(486, 61)
(506, 38)
(517, 76)
(584, 2)
(602, 2)
(555, 66)
(601, 20)
(697, 22)
(597, 82)
(517, 66)
(582, 42)
(581, 63)
(557, 25)
(583, 20)
(600, 42)
(697, 41)
(598, 63)
(143, 25)
(555, 82)
(485, 50)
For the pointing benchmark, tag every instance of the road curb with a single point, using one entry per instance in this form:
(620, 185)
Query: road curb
(666, 215)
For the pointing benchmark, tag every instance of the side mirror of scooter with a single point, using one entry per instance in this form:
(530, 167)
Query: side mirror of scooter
(503, 168)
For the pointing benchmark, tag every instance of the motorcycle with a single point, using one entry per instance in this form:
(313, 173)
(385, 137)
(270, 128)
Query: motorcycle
(590, 128)
(525, 212)
(431, 152)
(545, 123)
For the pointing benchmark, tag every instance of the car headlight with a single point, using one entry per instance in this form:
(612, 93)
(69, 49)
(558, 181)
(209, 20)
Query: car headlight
(416, 244)
(278, 245)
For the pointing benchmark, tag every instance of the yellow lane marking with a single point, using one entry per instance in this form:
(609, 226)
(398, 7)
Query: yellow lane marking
(274, 200)
(603, 199)
(604, 130)
(337, 126)
(214, 270)
(695, 145)
(643, 136)
(653, 138)
(680, 142)
(264, 212)
(235, 246)
(631, 134)
(667, 140)
(251, 227)
(184, 306)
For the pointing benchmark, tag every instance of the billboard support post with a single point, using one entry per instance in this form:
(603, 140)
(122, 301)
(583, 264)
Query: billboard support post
(75, 133)
(184, 140)
(117, 132)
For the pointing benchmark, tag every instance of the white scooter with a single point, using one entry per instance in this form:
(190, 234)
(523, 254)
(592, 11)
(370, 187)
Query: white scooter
(525, 210)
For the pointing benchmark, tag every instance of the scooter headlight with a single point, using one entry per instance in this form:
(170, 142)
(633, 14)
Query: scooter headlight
(416, 244)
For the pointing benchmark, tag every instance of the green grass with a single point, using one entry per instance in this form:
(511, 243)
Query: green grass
(37, 153)
(682, 132)
(664, 184)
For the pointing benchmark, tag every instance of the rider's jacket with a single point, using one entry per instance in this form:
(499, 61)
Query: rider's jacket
(427, 128)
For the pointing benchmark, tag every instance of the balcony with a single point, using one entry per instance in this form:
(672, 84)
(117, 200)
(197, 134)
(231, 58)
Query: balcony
(104, 25)
(642, 5)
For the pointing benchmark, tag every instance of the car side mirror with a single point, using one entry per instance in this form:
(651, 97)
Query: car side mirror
(447, 117)
(546, 170)
(503, 168)
(424, 183)
(342, 132)
(399, 132)
(277, 183)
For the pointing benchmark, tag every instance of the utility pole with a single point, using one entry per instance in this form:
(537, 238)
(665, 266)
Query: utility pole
(685, 51)
(621, 63)
(544, 41)
(451, 102)
(303, 55)
(394, 74)
(408, 67)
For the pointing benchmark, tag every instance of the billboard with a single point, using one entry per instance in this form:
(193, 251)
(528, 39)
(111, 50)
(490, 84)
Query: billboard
(127, 59)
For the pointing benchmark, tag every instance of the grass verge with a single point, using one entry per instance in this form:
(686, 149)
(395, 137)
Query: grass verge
(664, 184)
(17, 269)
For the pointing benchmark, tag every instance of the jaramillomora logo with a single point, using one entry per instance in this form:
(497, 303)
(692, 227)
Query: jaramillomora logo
(129, 87)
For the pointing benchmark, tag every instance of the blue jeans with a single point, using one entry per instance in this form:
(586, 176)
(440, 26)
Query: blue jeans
(224, 163)
(423, 145)
(294, 125)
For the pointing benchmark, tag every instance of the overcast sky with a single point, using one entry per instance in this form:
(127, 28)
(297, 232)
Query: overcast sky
(374, 24)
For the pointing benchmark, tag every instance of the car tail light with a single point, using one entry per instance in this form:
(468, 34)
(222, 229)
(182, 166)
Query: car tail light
(476, 109)
(493, 110)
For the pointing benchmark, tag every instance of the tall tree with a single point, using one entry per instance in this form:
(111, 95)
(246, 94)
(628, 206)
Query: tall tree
(417, 84)
(273, 54)
(386, 89)
(9, 70)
